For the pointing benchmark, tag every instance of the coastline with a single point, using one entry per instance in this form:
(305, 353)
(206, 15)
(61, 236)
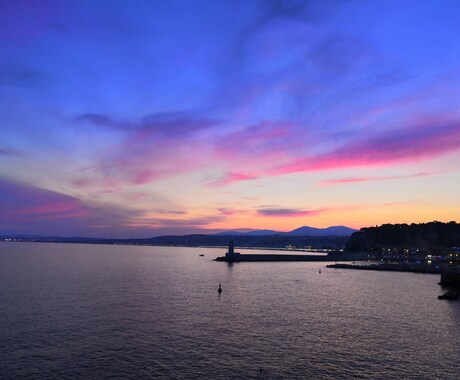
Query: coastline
(396, 267)
(105, 242)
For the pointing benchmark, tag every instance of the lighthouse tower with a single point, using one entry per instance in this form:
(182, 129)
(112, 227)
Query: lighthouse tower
(231, 255)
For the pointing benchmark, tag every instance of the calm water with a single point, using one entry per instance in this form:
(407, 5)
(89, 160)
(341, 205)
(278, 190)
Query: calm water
(88, 311)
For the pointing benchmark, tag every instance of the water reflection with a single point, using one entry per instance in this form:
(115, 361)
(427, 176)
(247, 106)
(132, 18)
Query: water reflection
(86, 309)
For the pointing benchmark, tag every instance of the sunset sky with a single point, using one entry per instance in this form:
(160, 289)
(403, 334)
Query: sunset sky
(143, 118)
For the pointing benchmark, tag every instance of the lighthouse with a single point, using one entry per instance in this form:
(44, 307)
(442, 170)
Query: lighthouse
(231, 255)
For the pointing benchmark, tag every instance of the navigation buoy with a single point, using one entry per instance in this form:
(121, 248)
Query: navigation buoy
(220, 288)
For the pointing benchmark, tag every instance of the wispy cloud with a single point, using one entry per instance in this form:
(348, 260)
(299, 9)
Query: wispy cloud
(27, 202)
(288, 212)
(169, 212)
(230, 178)
(262, 138)
(29, 209)
(345, 180)
(155, 147)
(6, 151)
(280, 150)
(228, 211)
(192, 222)
(420, 142)
(162, 124)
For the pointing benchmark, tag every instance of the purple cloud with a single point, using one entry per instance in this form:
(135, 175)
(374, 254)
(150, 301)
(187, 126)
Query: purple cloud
(23, 203)
(28, 209)
(288, 212)
(6, 151)
(31, 210)
(165, 124)
(153, 148)
(262, 138)
(97, 119)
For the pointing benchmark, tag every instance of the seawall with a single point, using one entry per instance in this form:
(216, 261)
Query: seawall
(274, 257)
(236, 257)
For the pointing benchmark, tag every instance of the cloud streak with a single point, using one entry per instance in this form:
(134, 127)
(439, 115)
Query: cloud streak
(154, 147)
(6, 151)
(170, 124)
(341, 181)
(288, 212)
(229, 178)
(421, 142)
(272, 152)
(28, 209)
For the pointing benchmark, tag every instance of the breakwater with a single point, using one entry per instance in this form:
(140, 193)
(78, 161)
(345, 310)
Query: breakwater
(398, 267)
(231, 256)
(274, 257)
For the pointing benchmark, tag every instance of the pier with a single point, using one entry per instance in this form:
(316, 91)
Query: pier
(391, 267)
(231, 256)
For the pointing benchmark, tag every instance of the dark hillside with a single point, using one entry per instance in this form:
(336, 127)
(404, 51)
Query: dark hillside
(423, 235)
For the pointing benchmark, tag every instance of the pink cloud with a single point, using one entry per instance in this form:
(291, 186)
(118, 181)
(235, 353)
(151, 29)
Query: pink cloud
(340, 181)
(274, 152)
(149, 153)
(230, 178)
(54, 209)
(415, 144)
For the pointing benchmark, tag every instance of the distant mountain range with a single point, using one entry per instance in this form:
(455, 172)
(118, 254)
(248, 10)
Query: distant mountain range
(301, 231)
(341, 231)
(331, 237)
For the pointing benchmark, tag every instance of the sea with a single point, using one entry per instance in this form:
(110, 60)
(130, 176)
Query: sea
(82, 311)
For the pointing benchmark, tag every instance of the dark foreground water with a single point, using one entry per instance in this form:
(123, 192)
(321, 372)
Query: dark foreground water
(88, 311)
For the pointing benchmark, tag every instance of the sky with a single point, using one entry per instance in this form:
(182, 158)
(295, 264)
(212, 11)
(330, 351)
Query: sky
(143, 118)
